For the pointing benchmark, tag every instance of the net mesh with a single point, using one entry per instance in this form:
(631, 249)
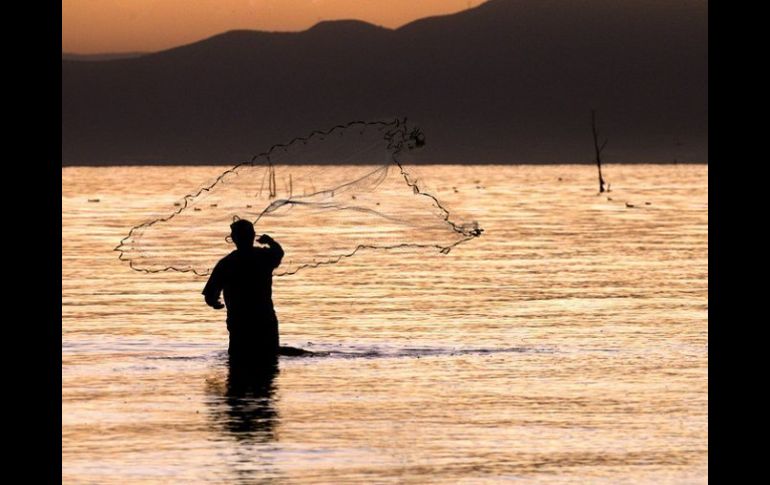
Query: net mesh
(324, 197)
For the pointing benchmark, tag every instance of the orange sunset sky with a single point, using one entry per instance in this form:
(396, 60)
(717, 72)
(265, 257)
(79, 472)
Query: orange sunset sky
(99, 26)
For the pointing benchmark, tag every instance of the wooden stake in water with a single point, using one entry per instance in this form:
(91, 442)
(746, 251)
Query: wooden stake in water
(598, 150)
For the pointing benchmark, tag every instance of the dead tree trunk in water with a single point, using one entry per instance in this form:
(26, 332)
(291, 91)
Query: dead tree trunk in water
(598, 151)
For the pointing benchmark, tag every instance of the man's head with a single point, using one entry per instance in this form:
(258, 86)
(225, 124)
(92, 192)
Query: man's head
(242, 233)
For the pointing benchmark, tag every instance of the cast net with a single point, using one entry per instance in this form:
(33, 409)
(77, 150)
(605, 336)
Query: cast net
(324, 197)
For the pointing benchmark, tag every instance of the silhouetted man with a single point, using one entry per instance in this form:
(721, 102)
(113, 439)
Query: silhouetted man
(246, 278)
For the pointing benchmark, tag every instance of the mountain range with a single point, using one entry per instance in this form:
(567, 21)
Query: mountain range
(510, 81)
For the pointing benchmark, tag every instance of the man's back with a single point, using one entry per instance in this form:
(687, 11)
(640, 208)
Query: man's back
(247, 283)
(245, 277)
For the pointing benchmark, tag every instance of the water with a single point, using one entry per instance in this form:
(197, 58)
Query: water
(568, 344)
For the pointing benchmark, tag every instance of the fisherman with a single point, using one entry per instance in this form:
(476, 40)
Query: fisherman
(246, 278)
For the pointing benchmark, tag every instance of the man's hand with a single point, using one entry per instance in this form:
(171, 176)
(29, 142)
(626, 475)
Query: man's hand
(215, 304)
(264, 239)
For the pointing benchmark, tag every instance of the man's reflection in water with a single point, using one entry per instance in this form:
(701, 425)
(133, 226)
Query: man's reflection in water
(244, 406)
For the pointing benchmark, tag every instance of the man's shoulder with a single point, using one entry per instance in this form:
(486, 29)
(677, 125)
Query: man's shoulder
(239, 255)
(243, 256)
(227, 259)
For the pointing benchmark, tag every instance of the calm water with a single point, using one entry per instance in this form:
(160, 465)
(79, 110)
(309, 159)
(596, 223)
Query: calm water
(568, 344)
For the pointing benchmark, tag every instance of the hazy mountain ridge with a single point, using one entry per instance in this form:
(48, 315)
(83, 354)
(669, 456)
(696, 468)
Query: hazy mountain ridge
(107, 56)
(508, 81)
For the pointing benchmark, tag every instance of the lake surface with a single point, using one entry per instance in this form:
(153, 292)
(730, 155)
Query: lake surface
(567, 344)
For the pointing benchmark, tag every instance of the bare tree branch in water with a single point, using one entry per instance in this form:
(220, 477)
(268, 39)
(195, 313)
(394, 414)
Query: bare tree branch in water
(598, 150)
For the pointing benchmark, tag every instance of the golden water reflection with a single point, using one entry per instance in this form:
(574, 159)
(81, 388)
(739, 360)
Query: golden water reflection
(568, 344)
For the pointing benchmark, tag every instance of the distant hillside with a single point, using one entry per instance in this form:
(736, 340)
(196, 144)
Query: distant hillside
(65, 56)
(509, 81)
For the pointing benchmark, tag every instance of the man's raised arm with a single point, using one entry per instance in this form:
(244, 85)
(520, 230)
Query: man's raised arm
(275, 249)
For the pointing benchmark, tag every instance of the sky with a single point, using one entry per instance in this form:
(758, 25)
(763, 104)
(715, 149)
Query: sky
(102, 26)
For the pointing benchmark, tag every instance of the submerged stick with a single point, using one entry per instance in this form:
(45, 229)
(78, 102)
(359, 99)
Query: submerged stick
(598, 149)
